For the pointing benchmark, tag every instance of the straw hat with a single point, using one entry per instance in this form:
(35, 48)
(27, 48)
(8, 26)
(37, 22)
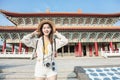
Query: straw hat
(43, 22)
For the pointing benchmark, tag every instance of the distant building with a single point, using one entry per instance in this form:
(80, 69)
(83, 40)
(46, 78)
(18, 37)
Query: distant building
(88, 33)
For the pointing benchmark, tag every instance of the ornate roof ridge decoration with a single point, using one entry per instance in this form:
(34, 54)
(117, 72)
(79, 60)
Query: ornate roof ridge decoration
(82, 36)
(62, 18)
(57, 14)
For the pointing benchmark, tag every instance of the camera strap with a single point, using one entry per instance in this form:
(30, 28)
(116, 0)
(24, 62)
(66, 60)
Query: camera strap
(51, 56)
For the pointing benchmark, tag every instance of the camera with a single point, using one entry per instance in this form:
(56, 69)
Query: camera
(50, 65)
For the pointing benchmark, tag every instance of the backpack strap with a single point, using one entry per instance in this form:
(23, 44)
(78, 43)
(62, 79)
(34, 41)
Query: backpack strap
(55, 54)
(34, 55)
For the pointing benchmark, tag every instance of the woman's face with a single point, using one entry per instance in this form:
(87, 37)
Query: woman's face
(46, 29)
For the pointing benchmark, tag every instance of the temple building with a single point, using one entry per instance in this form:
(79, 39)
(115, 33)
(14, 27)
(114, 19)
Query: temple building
(87, 33)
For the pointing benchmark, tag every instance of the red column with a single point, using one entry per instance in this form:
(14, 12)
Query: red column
(12, 48)
(96, 48)
(111, 46)
(116, 46)
(90, 50)
(103, 47)
(20, 47)
(26, 50)
(79, 49)
(4, 46)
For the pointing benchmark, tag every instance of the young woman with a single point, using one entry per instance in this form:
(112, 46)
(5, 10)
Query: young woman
(49, 39)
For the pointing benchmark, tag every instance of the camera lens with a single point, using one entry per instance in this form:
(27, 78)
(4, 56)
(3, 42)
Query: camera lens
(47, 64)
(53, 63)
(53, 68)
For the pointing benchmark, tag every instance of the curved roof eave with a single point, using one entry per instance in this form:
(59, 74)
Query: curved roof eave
(11, 28)
(57, 14)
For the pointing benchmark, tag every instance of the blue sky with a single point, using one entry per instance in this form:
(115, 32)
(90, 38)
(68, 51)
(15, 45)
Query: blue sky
(87, 6)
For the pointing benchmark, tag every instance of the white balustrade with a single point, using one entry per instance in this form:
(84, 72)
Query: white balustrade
(16, 54)
(110, 53)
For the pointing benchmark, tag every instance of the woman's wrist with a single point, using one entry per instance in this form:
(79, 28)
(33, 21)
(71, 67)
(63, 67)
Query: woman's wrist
(56, 33)
(32, 34)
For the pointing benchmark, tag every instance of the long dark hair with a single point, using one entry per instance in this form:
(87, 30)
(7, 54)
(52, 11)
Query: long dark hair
(50, 36)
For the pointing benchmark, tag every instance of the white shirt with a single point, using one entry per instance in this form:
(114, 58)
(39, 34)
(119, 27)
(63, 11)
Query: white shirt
(31, 41)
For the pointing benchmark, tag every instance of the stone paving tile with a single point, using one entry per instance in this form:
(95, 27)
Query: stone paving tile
(108, 73)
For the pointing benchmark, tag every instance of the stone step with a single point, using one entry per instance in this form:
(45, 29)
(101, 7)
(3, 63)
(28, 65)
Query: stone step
(34, 79)
(24, 69)
(31, 75)
(30, 70)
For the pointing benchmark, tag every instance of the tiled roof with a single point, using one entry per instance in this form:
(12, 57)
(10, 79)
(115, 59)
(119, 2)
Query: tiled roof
(57, 14)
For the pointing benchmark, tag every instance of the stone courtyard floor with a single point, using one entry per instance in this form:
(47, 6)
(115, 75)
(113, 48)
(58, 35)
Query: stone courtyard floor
(97, 68)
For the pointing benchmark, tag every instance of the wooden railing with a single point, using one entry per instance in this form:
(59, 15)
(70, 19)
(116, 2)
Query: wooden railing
(110, 53)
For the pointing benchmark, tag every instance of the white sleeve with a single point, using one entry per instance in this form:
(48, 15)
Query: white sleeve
(29, 40)
(60, 40)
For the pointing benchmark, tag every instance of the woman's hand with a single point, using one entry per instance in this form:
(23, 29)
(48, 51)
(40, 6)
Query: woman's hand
(55, 34)
(35, 32)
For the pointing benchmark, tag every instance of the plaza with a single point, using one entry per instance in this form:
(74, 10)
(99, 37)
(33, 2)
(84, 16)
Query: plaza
(23, 69)
(93, 47)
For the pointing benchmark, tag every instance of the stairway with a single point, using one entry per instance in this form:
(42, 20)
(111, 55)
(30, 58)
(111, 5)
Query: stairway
(20, 69)
(28, 75)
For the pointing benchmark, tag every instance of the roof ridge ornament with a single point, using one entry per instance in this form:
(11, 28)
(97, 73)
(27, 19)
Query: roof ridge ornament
(79, 11)
(48, 10)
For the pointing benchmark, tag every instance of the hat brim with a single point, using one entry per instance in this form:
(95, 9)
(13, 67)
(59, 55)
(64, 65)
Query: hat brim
(43, 22)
